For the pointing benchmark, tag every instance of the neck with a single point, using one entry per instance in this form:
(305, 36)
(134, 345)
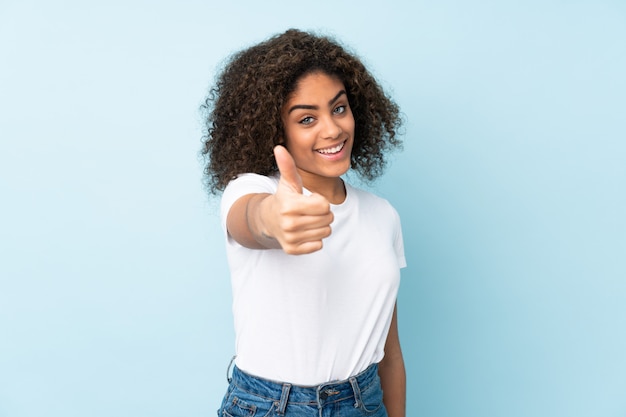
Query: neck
(332, 188)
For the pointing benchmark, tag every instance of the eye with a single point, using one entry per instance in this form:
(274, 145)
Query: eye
(306, 121)
(339, 109)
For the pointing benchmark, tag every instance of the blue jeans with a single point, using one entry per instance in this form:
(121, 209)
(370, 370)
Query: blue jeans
(250, 396)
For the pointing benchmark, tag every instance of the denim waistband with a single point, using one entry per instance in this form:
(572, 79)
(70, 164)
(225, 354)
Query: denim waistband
(285, 393)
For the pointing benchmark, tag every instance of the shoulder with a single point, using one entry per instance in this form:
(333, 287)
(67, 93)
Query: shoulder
(246, 184)
(257, 183)
(369, 199)
(249, 184)
(378, 209)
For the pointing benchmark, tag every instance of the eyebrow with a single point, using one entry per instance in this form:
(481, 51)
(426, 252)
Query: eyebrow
(310, 107)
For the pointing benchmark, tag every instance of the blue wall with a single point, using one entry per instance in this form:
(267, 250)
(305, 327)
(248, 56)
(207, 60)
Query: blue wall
(114, 291)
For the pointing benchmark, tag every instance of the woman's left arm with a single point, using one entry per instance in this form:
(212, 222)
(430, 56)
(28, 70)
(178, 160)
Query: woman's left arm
(392, 373)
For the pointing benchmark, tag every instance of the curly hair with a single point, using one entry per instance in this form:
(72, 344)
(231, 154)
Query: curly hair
(243, 109)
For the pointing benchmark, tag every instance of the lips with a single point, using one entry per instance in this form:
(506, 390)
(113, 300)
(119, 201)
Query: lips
(332, 150)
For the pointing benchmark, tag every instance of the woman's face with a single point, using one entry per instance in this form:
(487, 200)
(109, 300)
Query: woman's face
(319, 128)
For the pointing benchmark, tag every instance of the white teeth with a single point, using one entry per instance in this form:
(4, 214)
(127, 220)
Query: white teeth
(332, 150)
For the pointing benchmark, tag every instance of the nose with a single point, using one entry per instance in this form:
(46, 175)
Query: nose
(331, 129)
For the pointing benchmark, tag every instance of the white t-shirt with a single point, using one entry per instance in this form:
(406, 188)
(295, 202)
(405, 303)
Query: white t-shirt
(324, 316)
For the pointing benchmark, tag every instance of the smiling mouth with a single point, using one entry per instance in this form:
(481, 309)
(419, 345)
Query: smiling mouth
(334, 149)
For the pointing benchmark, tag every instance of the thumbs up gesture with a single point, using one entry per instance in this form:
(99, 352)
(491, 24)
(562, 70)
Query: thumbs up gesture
(297, 222)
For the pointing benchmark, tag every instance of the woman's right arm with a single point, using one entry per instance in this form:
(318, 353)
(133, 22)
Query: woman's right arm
(286, 220)
(245, 224)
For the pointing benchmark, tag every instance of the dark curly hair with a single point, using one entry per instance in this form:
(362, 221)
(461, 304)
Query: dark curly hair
(243, 109)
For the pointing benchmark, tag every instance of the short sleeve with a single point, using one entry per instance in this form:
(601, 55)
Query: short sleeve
(398, 241)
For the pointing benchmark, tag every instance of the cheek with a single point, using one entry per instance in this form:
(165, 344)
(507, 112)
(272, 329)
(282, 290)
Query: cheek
(349, 124)
(298, 141)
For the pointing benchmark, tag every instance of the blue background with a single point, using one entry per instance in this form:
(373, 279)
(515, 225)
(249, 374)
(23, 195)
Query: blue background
(114, 289)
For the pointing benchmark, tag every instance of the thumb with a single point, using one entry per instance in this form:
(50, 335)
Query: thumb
(287, 167)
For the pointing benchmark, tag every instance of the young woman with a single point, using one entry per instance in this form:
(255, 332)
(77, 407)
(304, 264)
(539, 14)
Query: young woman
(315, 263)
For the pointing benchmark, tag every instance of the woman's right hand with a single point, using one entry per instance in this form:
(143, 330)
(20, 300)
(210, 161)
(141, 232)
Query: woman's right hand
(297, 222)
(286, 220)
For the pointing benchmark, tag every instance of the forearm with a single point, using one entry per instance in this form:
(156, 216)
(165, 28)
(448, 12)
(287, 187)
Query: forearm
(393, 381)
(392, 373)
(255, 223)
(292, 222)
(245, 223)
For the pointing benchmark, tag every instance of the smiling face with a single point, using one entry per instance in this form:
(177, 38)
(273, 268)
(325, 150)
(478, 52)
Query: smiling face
(319, 130)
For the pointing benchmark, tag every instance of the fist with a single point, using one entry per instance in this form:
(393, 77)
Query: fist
(298, 222)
